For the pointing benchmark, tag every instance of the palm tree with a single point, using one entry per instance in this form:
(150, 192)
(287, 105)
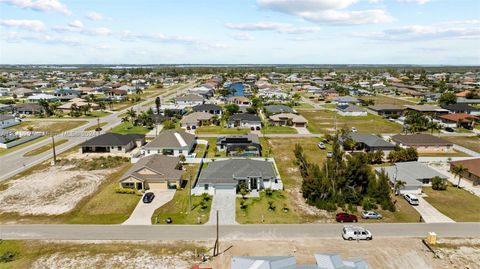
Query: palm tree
(458, 171)
(138, 91)
(131, 114)
(157, 104)
(399, 184)
(125, 119)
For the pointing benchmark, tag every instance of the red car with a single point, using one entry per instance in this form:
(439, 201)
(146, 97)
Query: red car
(345, 217)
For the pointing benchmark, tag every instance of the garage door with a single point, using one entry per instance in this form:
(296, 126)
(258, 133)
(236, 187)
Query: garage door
(158, 186)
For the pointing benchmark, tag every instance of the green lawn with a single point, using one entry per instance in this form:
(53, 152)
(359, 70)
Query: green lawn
(177, 209)
(324, 122)
(455, 203)
(221, 130)
(200, 150)
(44, 148)
(5, 151)
(385, 100)
(303, 106)
(329, 105)
(92, 128)
(404, 213)
(128, 128)
(444, 154)
(91, 114)
(470, 142)
(279, 130)
(256, 208)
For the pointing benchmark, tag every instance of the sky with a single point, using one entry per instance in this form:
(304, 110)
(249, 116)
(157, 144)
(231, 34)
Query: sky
(431, 32)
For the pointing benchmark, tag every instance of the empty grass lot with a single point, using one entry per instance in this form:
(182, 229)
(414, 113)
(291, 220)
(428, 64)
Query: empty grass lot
(279, 130)
(92, 128)
(221, 130)
(54, 126)
(256, 208)
(128, 128)
(303, 106)
(324, 122)
(44, 148)
(444, 154)
(455, 203)
(385, 100)
(469, 142)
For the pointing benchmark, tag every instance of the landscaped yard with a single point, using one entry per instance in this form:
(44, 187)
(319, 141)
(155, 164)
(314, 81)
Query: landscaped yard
(221, 130)
(258, 209)
(470, 142)
(128, 128)
(279, 130)
(324, 122)
(44, 148)
(455, 203)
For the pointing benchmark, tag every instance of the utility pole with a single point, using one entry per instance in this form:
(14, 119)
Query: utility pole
(190, 193)
(53, 148)
(216, 247)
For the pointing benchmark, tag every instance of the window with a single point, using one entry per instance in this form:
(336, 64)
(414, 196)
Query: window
(180, 151)
(206, 187)
(119, 148)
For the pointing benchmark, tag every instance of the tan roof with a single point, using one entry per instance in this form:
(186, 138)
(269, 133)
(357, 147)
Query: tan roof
(161, 167)
(473, 165)
(294, 117)
(171, 139)
(195, 117)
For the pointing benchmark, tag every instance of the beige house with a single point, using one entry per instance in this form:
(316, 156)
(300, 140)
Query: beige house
(195, 119)
(156, 171)
(423, 143)
(288, 119)
(78, 102)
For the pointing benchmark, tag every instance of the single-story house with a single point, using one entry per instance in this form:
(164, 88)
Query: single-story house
(351, 111)
(430, 109)
(414, 174)
(386, 110)
(7, 121)
(473, 166)
(116, 94)
(345, 100)
(277, 109)
(157, 172)
(195, 119)
(240, 145)
(112, 143)
(288, 119)
(171, 142)
(190, 100)
(462, 108)
(66, 92)
(225, 175)
(239, 100)
(28, 109)
(463, 100)
(244, 120)
(42, 96)
(22, 92)
(208, 108)
(458, 120)
(370, 142)
(79, 103)
(5, 108)
(424, 143)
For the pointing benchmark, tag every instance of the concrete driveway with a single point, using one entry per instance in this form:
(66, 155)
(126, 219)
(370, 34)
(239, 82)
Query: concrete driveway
(142, 214)
(224, 202)
(429, 213)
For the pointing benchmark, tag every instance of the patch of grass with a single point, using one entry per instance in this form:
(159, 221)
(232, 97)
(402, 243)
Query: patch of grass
(177, 209)
(12, 149)
(92, 128)
(329, 106)
(470, 142)
(303, 106)
(44, 148)
(258, 209)
(279, 130)
(324, 122)
(221, 130)
(385, 100)
(444, 154)
(200, 150)
(404, 213)
(128, 128)
(455, 203)
(56, 126)
(98, 163)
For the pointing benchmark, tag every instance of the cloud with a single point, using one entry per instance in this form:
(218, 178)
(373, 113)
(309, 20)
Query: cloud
(30, 25)
(272, 26)
(94, 16)
(78, 27)
(420, 2)
(41, 5)
(15, 37)
(327, 11)
(76, 24)
(243, 36)
(445, 30)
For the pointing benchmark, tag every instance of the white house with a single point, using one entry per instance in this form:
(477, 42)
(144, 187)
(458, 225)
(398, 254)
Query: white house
(171, 142)
(7, 121)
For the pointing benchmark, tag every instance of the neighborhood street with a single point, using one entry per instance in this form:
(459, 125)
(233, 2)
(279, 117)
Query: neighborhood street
(231, 232)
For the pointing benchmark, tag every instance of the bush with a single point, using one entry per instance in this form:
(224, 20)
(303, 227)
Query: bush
(325, 205)
(126, 190)
(8, 257)
(369, 204)
(439, 184)
(243, 204)
(271, 206)
(269, 192)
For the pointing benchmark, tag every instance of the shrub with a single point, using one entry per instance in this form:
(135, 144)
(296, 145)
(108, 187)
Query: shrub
(271, 206)
(8, 257)
(439, 184)
(369, 203)
(269, 192)
(243, 204)
(126, 190)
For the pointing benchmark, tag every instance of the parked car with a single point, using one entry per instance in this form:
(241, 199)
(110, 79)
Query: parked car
(449, 129)
(329, 154)
(354, 130)
(258, 128)
(411, 199)
(148, 197)
(252, 128)
(321, 145)
(356, 233)
(345, 217)
(371, 215)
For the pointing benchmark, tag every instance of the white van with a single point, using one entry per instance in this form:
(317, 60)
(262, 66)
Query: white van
(356, 233)
(411, 199)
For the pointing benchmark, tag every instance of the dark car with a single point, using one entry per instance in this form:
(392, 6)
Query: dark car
(449, 129)
(258, 128)
(345, 217)
(148, 197)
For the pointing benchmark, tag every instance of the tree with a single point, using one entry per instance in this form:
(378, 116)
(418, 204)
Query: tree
(232, 109)
(399, 184)
(138, 91)
(458, 171)
(439, 183)
(349, 144)
(168, 124)
(157, 104)
(447, 98)
(182, 158)
(132, 114)
(243, 189)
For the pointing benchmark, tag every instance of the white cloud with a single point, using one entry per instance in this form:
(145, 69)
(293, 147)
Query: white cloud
(94, 16)
(41, 5)
(420, 2)
(31, 25)
(15, 37)
(76, 24)
(243, 36)
(272, 26)
(327, 11)
(78, 27)
(445, 30)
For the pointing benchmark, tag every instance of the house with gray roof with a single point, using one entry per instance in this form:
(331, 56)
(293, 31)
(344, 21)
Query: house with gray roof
(171, 142)
(208, 108)
(112, 143)
(345, 100)
(414, 174)
(227, 174)
(322, 261)
(7, 121)
(424, 143)
(386, 110)
(158, 172)
(351, 111)
(277, 109)
(239, 145)
(190, 100)
(195, 119)
(244, 120)
(370, 142)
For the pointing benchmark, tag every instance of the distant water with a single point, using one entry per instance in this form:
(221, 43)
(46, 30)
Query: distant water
(239, 89)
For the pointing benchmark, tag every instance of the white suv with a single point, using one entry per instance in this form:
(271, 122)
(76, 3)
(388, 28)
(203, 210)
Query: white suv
(411, 199)
(356, 233)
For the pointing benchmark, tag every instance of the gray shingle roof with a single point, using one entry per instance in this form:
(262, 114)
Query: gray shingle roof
(244, 117)
(111, 139)
(170, 139)
(274, 109)
(371, 140)
(226, 171)
(410, 172)
(206, 107)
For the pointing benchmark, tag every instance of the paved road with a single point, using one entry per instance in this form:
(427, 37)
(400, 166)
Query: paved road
(429, 213)
(14, 162)
(232, 232)
(465, 150)
(142, 214)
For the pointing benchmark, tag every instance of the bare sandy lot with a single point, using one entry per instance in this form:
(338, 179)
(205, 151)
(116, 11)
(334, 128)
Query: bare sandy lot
(52, 191)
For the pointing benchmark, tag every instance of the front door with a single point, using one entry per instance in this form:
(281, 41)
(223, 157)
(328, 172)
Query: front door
(139, 186)
(253, 183)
